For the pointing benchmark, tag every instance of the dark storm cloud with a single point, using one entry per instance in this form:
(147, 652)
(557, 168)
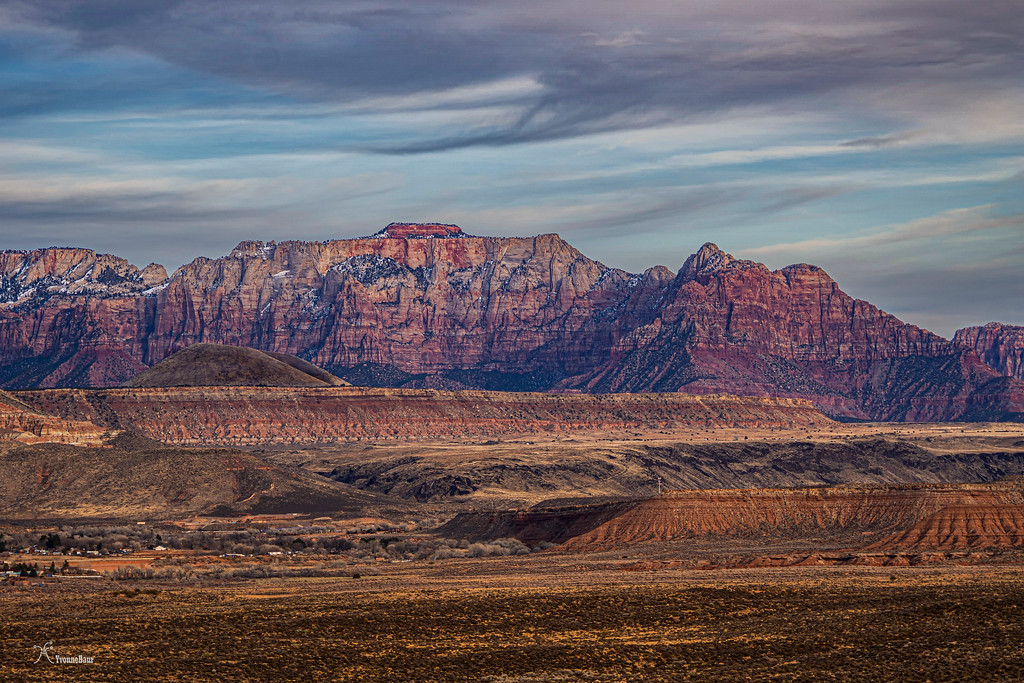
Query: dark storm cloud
(600, 66)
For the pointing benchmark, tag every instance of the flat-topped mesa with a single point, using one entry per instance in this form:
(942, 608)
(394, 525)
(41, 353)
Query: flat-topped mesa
(419, 231)
(247, 415)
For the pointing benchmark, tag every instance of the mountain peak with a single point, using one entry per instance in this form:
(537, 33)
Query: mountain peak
(708, 259)
(420, 231)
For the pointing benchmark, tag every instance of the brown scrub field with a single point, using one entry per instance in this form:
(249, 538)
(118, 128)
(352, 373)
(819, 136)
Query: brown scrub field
(539, 618)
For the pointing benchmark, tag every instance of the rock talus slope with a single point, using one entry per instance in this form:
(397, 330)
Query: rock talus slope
(424, 305)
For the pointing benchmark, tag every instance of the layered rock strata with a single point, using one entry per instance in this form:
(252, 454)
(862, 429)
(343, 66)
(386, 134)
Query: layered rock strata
(21, 424)
(267, 415)
(899, 518)
(423, 305)
(1000, 346)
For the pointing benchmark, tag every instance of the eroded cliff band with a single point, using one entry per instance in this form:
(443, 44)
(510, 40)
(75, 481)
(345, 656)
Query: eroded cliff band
(428, 307)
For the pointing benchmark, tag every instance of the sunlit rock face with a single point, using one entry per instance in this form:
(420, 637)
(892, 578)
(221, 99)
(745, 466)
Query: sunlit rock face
(247, 416)
(1000, 346)
(423, 305)
(404, 231)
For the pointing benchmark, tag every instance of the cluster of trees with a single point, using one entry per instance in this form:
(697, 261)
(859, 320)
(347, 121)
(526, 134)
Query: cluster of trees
(81, 539)
(22, 568)
(463, 548)
(258, 542)
(249, 570)
(32, 570)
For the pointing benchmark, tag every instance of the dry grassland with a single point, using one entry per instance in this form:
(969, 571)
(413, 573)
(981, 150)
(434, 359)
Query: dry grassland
(532, 619)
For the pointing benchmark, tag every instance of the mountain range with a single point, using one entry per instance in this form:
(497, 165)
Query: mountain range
(427, 306)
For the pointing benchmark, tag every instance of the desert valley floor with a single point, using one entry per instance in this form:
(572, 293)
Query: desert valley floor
(803, 551)
(550, 618)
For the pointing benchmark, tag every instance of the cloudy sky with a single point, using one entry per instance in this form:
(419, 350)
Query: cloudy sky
(880, 139)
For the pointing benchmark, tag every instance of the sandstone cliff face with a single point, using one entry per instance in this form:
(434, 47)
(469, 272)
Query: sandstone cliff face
(409, 305)
(423, 305)
(726, 325)
(1000, 346)
(72, 317)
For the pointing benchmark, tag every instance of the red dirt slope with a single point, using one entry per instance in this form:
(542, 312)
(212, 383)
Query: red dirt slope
(909, 517)
(962, 527)
(20, 423)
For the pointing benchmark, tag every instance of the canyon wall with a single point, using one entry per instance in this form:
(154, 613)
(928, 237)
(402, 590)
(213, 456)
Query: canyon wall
(1000, 346)
(426, 306)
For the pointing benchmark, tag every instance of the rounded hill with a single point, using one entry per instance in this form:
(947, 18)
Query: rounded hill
(203, 365)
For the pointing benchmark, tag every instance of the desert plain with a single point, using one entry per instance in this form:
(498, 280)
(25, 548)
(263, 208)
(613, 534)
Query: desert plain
(558, 559)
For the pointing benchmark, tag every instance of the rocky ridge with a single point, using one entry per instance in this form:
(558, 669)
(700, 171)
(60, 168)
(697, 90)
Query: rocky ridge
(243, 416)
(422, 305)
(1000, 346)
(131, 479)
(516, 474)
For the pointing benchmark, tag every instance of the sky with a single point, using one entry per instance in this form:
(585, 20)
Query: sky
(882, 140)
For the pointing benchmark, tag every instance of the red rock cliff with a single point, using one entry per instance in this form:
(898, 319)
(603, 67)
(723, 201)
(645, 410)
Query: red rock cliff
(1001, 346)
(243, 416)
(434, 308)
(727, 325)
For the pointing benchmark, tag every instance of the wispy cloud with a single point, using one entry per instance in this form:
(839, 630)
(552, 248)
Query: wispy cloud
(560, 72)
(20, 152)
(872, 136)
(954, 222)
